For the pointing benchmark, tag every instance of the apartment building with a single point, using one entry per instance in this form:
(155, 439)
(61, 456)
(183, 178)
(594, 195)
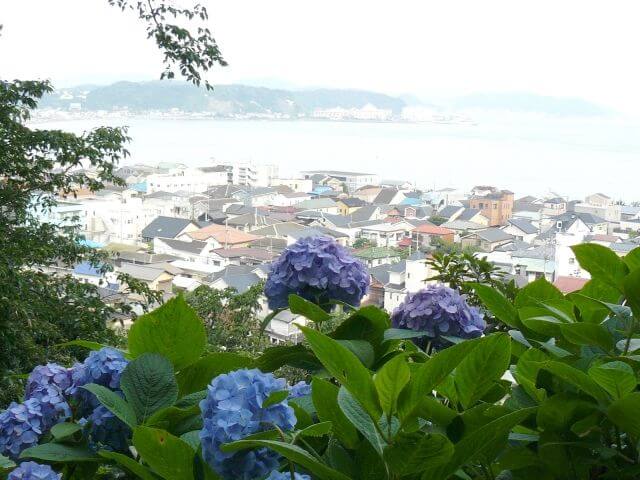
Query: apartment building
(494, 204)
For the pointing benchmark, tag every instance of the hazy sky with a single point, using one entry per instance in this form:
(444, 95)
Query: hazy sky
(580, 48)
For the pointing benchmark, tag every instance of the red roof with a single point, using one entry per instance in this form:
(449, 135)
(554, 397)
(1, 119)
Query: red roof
(430, 229)
(405, 242)
(570, 284)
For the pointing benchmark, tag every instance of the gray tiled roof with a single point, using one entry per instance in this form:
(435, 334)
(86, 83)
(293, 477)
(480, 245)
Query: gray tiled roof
(449, 211)
(167, 227)
(524, 225)
(385, 197)
(493, 235)
(467, 214)
(194, 246)
(364, 213)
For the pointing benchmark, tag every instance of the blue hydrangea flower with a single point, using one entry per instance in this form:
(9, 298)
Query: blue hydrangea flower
(104, 367)
(107, 431)
(50, 374)
(319, 270)
(438, 310)
(53, 404)
(33, 471)
(300, 389)
(276, 475)
(21, 426)
(232, 410)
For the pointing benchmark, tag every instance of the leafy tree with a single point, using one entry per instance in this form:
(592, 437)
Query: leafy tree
(362, 243)
(437, 220)
(39, 310)
(230, 317)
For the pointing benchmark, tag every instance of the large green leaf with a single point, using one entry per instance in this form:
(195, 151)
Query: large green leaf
(148, 383)
(430, 374)
(325, 399)
(313, 312)
(167, 455)
(173, 330)
(293, 453)
(361, 349)
(410, 453)
(390, 380)
(297, 356)
(481, 440)
(587, 334)
(360, 419)
(578, 379)
(62, 431)
(537, 291)
(198, 376)
(6, 463)
(345, 367)
(484, 366)
(617, 378)
(114, 403)
(367, 323)
(498, 305)
(632, 259)
(60, 453)
(559, 412)
(602, 263)
(129, 464)
(625, 412)
(588, 299)
(631, 287)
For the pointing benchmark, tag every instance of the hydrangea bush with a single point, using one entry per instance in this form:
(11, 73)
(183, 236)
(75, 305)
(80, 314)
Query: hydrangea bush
(233, 410)
(438, 310)
(377, 407)
(33, 471)
(319, 270)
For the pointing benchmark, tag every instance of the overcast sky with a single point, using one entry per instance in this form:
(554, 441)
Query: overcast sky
(581, 48)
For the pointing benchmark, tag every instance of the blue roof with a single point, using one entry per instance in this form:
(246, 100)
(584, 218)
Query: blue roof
(411, 201)
(90, 243)
(139, 187)
(85, 268)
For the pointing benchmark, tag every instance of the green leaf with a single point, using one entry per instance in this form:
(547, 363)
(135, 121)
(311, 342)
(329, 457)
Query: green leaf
(60, 453)
(6, 463)
(497, 304)
(198, 376)
(390, 380)
(193, 439)
(367, 323)
(149, 385)
(602, 263)
(360, 419)
(559, 412)
(316, 430)
(484, 366)
(297, 356)
(617, 378)
(625, 413)
(361, 349)
(539, 290)
(479, 441)
(410, 453)
(293, 453)
(631, 287)
(167, 455)
(275, 397)
(114, 403)
(191, 399)
(313, 312)
(587, 334)
(578, 379)
(401, 334)
(173, 331)
(325, 399)
(632, 259)
(430, 374)
(65, 430)
(345, 367)
(129, 464)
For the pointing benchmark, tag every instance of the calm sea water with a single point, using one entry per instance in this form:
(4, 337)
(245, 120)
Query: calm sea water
(533, 156)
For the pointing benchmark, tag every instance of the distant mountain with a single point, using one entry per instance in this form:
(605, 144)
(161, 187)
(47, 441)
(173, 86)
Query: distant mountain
(529, 103)
(224, 99)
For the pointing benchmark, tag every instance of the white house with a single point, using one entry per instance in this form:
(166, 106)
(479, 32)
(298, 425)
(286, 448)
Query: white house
(192, 180)
(387, 234)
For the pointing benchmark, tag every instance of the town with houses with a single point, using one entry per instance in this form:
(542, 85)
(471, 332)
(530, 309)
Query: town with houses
(176, 227)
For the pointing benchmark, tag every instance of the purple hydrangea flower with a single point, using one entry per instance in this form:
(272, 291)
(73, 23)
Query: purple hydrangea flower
(107, 431)
(233, 410)
(21, 426)
(319, 270)
(50, 374)
(33, 471)
(300, 389)
(276, 475)
(103, 367)
(438, 310)
(53, 404)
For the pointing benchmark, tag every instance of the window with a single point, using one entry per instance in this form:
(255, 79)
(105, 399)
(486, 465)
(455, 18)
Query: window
(572, 261)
